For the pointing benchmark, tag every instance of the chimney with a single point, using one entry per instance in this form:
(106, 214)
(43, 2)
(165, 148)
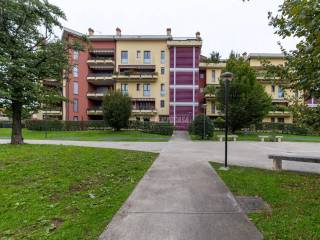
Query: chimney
(168, 31)
(91, 31)
(118, 31)
(198, 36)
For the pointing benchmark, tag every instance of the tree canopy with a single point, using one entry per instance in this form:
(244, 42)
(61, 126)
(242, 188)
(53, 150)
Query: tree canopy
(248, 101)
(301, 19)
(30, 53)
(117, 110)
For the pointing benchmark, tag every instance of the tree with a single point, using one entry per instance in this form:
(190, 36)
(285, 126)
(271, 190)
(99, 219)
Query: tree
(210, 90)
(202, 126)
(300, 19)
(215, 57)
(30, 53)
(248, 101)
(117, 110)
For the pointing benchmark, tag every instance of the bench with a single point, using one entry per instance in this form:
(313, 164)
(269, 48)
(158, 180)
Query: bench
(279, 138)
(263, 137)
(234, 137)
(277, 160)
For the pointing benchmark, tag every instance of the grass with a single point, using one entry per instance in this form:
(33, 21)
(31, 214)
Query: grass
(294, 199)
(91, 135)
(255, 137)
(60, 192)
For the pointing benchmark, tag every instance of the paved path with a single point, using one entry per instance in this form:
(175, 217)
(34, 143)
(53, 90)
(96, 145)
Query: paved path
(180, 198)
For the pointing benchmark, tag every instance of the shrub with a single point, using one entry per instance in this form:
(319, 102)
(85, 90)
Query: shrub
(202, 126)
(117, 110)
(152, 127)
(57, 125)
(219, 123)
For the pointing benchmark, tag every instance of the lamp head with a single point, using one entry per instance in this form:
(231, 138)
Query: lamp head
(227, 76)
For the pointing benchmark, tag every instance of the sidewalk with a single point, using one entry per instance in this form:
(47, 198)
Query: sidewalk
(180, 198)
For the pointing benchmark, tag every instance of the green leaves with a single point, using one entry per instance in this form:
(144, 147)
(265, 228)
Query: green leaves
(248, 101)
(301, 19)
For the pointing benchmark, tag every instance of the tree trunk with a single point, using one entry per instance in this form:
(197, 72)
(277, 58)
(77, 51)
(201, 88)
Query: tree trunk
(16, 135)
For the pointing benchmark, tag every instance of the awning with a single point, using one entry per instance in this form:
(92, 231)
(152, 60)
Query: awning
(143, 99)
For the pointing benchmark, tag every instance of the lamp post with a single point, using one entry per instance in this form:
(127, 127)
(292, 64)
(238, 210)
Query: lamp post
(204, 120)
(226, 77)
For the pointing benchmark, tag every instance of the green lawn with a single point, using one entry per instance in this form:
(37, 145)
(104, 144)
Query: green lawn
(60, 192)
(91, 135)
(254, 137)
(294, 199)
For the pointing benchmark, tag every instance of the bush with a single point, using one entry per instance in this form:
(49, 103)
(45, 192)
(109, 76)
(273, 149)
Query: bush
(287, 128)
(219, 123)
(152, 127)
(202, 126)
(117, 110)
(5, 124)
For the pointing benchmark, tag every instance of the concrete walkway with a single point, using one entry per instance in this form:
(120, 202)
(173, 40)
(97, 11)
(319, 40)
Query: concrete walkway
(180, 198)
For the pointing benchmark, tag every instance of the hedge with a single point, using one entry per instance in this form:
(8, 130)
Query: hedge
(152, 127)
(287, 128)
(57, 125)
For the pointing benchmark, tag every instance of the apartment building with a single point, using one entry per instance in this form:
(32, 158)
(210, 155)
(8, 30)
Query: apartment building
(277, 88)
(159, 72)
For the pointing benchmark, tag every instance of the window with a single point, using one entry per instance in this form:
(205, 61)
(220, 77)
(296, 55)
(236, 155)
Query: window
(162, 103)
(138, 119)
(202, 75)
(280, 92)
(280, 120)
(213, 108)
(162, 71)
(75, 55)
(213, 75)
(75, 118)
(138, 86)
(272, 120)
(146, 89)
(147, 57)
(124, 57)
(146, 119)
(75, 71)
(163, 90)
(124, 88)
(138, 54)
(75, 105)
(163, 57)
(75, 88)
(273, 88)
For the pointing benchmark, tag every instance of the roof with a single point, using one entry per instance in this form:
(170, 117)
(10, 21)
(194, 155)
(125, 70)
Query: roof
(266, 55)
(126, 37)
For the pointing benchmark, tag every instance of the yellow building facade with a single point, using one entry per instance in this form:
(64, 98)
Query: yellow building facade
(276, 88)
(142, 72)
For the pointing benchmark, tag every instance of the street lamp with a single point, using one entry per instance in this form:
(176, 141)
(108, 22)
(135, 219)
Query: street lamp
(204, 120)
(226, 77)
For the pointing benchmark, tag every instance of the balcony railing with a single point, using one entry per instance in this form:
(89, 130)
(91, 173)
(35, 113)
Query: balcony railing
(96, 95)
(151, 111)
(95, 111)
(137, 75)
(100, 62)
(102, 79)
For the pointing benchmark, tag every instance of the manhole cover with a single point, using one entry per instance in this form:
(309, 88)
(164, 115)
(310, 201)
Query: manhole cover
(252, 204)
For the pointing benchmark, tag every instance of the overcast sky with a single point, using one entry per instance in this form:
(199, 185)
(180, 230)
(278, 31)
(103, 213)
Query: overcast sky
(225, 25)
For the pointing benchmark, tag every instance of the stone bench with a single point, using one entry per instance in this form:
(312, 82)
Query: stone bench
(277, 160)
(234, 137)
(278, 138)
(263, 137)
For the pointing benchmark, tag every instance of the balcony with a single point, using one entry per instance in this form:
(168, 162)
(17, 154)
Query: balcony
(210, 96)
(144, 112)
(279, 114)
(96, 95)
(100, 79)
(54, 111)
(95, 111)
(280, 100)
(151, 76)
(101, 63)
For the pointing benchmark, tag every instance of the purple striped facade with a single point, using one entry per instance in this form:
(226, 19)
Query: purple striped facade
(184, 85)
